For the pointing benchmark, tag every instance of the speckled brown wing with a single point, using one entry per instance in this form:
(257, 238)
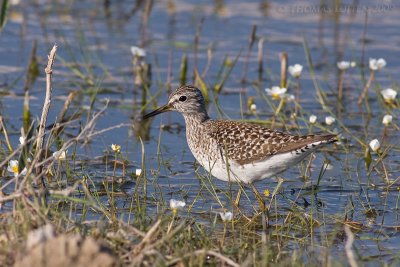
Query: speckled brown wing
(246, 143)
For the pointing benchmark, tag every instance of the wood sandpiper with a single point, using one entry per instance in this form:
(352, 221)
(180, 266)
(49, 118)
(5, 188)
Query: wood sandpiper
(237, 151)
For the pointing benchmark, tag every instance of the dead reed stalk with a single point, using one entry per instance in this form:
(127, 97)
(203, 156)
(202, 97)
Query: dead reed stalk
(45, 111)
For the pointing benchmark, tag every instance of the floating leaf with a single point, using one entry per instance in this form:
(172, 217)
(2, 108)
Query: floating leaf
(33, 68)
(3, 14)
(367, 157)
(183, 70)
(179, 44)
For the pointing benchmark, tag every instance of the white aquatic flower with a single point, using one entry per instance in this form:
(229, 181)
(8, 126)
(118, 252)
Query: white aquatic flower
(138, 52)
(276, 92)
(116, 148)
(138, 172)
(176, 205)
(377, 64)
(389, 94)
(60, 155)
(387, 119)
(226, 216)
(15, 2)
(312, 119)
(253, 107)
(22, 140)
(290, 98)
(343, 65)
(375, 145)
(329, 120)
(295, 70)
(328, 166)
(13, 168)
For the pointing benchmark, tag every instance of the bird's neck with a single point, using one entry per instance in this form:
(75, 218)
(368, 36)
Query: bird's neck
(195, 129)
(195, 119)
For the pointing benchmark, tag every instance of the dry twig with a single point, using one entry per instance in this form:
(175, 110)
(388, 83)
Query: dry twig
(45, 111)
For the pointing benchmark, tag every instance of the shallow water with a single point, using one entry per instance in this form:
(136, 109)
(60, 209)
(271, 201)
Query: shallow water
(89, 35)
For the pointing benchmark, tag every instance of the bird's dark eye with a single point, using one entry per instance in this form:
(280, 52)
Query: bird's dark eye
(182, 98)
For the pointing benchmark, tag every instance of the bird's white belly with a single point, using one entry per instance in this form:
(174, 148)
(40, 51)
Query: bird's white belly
(252, 172)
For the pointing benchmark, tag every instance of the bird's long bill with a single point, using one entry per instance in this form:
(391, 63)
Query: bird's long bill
(157, 111)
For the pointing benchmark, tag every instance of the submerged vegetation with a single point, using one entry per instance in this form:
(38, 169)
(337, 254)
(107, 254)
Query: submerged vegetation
(80, 170)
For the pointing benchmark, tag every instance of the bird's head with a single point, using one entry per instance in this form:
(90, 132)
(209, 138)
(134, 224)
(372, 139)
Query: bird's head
(186, 99)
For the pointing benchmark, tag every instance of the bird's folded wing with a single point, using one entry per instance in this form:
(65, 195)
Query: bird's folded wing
(246, 143)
